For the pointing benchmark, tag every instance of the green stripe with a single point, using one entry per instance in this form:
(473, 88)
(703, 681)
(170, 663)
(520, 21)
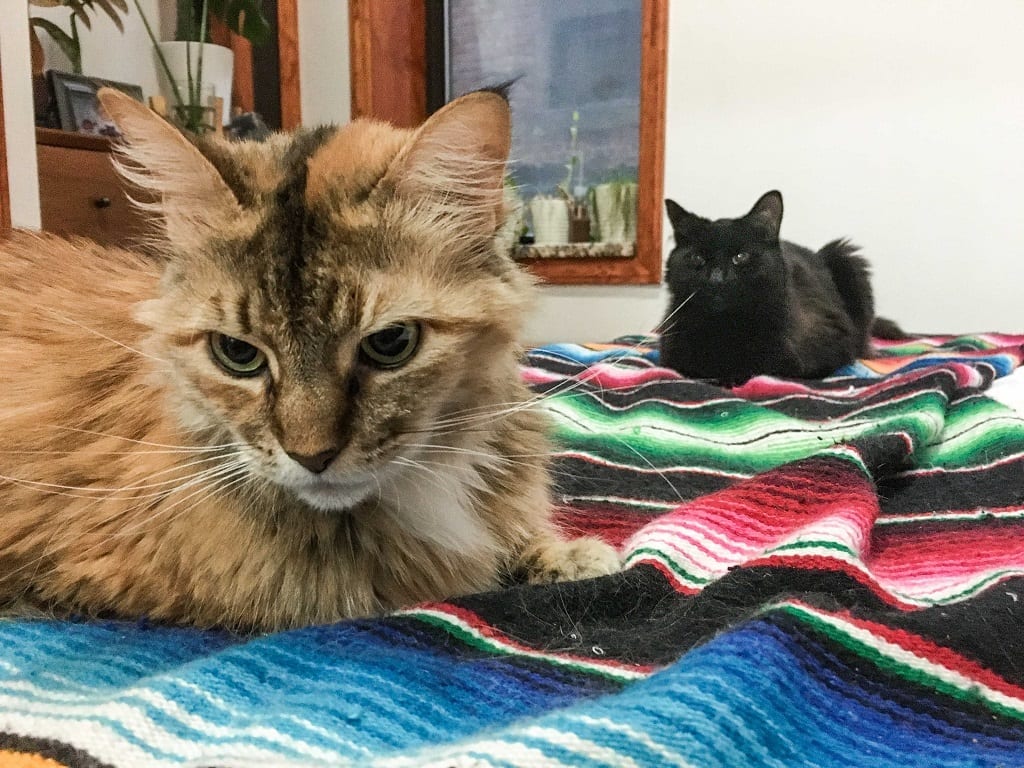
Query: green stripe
(669, 563)
(494, 646)
(894, 666)
(811, 544)
(668, 444)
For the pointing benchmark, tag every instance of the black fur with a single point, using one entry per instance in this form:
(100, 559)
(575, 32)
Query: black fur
(782, 310)
(884, 328)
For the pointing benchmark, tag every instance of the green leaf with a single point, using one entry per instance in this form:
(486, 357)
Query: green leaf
(112, 13)
(63, 40)
(245, 17)
(81, 14)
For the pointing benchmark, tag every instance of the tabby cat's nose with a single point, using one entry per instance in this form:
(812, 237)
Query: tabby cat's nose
(318, 462)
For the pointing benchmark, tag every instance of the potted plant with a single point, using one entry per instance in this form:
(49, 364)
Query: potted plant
(514, 226)
(614, 205)
(78, 13)
(195, 70)
(550, 217)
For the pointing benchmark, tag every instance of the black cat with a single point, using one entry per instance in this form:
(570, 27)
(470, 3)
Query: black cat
(743, 303)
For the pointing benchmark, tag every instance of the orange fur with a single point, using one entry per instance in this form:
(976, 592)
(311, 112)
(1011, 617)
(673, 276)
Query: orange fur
(138, 478)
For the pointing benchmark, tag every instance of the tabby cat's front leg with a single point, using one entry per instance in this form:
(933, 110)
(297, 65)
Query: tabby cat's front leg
(553, 559)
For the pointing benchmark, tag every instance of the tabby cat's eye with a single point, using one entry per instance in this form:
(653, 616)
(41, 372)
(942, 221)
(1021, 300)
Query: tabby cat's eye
(392, 346)
(695, 260)
(741, 258)
(237, 357)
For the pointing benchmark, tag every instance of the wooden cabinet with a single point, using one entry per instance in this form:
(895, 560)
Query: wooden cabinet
(79, 191)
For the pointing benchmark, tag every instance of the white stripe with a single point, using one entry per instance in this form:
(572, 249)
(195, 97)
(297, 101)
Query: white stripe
(929, 517)
(574, 743)
(573, 662)
(685, 543)
(519, 754)
(643, 468)
(105, 744)
(601, 722)
(900, 654)
(145, 730)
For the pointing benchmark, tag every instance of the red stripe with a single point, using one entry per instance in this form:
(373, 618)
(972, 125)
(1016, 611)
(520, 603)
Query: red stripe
(490, 632)
(929, 651)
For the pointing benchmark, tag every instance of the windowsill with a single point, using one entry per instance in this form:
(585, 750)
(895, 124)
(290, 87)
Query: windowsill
(575, 251)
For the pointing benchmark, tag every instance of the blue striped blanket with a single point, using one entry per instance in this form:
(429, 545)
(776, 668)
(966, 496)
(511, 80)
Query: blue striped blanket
(825, 573)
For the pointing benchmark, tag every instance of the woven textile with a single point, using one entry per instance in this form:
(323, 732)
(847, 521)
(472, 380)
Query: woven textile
(825, 573)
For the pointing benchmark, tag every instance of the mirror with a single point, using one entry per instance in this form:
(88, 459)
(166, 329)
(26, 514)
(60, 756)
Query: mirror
(397, 78)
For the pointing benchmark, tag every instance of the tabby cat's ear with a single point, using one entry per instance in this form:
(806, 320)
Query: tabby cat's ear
(455, 163)
(766, 214)
(189, 194)
(683, 222)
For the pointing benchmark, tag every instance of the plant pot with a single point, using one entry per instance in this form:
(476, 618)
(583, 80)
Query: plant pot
(218, 68)
(513, 227)
(550, 220)
(614, 206)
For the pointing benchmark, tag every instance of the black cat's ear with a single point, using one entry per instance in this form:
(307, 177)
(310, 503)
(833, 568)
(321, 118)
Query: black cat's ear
(682, 220)
(766, 214)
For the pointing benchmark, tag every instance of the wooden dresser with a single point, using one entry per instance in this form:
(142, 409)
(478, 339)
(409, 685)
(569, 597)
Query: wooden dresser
(79, 191)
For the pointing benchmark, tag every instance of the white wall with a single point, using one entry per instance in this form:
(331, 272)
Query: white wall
(898, 124)
(324, 62)
(19, 127)
(106, 52)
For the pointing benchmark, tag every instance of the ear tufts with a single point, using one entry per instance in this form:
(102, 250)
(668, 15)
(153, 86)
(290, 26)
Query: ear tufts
(455, 163)
(154, 156)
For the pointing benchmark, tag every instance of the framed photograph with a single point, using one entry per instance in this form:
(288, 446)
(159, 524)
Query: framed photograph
(77, 106)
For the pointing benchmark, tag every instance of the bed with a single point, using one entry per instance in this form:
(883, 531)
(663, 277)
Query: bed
(816, 573)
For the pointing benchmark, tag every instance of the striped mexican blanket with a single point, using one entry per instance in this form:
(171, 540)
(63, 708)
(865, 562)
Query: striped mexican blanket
(818, 573)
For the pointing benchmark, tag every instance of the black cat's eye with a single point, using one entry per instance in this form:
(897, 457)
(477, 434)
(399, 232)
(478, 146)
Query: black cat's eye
(741, 258)
(695, 259)
(392, 346)
(237, 357)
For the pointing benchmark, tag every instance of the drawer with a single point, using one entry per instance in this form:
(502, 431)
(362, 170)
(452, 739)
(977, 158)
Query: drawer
(81, 194)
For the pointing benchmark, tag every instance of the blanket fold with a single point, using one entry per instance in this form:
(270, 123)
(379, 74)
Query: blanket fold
(816, 573)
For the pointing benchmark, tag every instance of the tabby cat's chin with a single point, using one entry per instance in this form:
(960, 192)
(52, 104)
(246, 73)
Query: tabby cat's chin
(336, 495)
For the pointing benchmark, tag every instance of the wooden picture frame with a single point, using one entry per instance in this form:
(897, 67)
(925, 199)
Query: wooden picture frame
(77, 106)
(389, 81)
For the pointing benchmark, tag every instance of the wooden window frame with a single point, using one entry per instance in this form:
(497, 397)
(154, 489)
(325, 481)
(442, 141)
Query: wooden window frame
(288, 97)
(5, 188)
(389, 82)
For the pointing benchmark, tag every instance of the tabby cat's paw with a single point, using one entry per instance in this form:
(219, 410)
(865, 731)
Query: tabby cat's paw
(569, 560)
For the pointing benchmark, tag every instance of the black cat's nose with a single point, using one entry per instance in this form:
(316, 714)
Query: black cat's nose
(717, 276)
(318, 462)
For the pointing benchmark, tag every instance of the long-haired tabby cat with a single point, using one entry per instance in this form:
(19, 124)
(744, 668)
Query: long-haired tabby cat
(743, 302)
(307, 408)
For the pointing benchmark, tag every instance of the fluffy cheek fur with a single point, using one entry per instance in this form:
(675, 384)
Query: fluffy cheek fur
(399, 414)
